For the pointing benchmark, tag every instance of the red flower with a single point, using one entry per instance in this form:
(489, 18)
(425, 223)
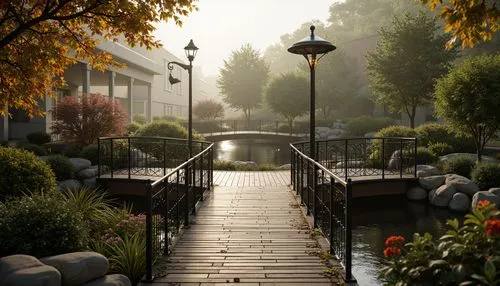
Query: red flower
(395, 240)
(482, 204)
(390, 251)
(492, 227)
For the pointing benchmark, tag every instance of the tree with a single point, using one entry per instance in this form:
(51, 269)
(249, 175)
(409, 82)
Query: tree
(242, 79)
(288, 95)
(83, 120)
(208, 109)
(468, 98)
(408, 59)
(39, 39)
(469, 21)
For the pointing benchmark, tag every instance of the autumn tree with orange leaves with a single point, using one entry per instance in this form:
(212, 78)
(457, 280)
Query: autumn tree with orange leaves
(39, 39)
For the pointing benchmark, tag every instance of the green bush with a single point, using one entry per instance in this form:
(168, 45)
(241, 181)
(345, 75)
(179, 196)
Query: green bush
(486, 175)
(73, 151)
(38, 138)
(424, 156)
(391, 145)
(440, 148)
(90, 153)
(139, 118)
(433, 133)
(224, 165)
(466, 255)
(34, 148)
(232, 166)
(40, 225)
(62, 167)
(459, 165)
(133, 127)
(22, 172)
(169, 118)
(359, 126)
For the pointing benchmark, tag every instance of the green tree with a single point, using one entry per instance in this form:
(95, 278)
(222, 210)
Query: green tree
(468, 98)
(208, 109)
(40, 39)
(288, 95)
(242, 79)
(409, 57)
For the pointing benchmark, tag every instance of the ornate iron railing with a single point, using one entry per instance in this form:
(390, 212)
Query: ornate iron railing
(171, 199)
(142, 156)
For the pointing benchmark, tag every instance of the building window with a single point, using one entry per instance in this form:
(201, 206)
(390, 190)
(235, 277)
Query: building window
(19, 116)
(179, 111)
(170, 110)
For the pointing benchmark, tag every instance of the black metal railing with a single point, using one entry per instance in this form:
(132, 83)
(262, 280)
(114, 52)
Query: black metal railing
(375, 158)
(325, 185)
(171, 199)
(142, 156)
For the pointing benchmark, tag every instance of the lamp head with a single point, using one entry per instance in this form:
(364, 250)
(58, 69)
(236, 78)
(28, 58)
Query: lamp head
(173, 80)
(311, 46)
(191, 50)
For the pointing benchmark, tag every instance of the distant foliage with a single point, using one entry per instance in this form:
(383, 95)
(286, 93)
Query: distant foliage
(132, 127)
(433, 133)
(359, 126)
(83, 120)
(139, 118)
(34, 148)
(208, 109)
(38, 138)
(486, 175)
(459, 165)
(22, 172)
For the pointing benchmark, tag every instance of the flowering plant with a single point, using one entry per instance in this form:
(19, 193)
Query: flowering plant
(465, 255)
(128, 226)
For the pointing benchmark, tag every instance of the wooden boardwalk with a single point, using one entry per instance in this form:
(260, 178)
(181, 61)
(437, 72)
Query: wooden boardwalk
(249, 231)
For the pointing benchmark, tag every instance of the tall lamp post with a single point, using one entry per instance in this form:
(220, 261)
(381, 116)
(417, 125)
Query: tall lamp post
(191, 51)
(311, 47)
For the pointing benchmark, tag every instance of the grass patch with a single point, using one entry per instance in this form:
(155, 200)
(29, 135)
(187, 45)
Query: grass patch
(232, 166)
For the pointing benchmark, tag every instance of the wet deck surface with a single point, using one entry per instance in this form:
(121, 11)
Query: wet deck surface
(249, 231)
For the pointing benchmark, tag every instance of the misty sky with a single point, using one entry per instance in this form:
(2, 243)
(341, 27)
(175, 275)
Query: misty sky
(221, 26)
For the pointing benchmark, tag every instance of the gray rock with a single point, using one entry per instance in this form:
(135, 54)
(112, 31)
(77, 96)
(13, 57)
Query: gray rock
(460, 202)
(77, 268)
(87, 173)
(427, 171)
(485, 195)
(431, 182)
(395, 160)
(90, 183)
(462, 184)
(416, 194)
(79, 164)
(471, 156)
(18, 270)
(110, 280)
(245, 163)
(350, 164)
(495, 191)
(431, 195)
(285, 167)
(69, 184)
(443, 196)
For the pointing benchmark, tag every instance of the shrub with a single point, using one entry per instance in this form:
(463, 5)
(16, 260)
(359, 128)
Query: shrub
(83, 120)
(35, 149)
(22, 172)
(433, 133)
(208, 109)
(169, 118)
(390, 145)
(359, 126)
(440, 148)
(38, 138)
(459, 165)
(90, 153)
(40, 225)
(128, 257)
(133, 127)
(62, 167)
(486, 175)
(224, 165)
(73, 151)
(232, 166)
(139, 118)
(424, 156)
(465, 255)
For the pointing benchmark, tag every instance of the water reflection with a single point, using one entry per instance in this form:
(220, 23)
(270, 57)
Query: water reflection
(257, 150)
(375, 219)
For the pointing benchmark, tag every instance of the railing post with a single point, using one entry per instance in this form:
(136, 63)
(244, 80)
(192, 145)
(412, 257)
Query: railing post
(165, 217)
(292, 167)
(112, 157)
(187, 177)
(345, 158)
(401, 158)
(129, 157)
(315, 195)
(348, 233)
(149, 233)
(330, 221)
(300, 178)
(194, 199)
(164, 157)
(308, 189)
(98, 157)
(201, 175)
(383, 158)
(415, 159)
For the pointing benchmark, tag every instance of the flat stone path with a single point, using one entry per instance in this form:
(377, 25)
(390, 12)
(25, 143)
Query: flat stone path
(247, 235)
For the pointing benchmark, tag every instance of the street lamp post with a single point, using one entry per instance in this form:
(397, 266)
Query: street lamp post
(191, 51)
(311, 47)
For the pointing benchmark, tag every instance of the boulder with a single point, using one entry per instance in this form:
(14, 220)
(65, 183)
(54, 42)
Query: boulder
(416, 194)
(87, 173)
(460, 202)
(427, 171)
(350, 164)
(485, 195)
(395, 160)
(110, 280)
(443, 196)
(17, 270)
(246, 163)
(69, 184)
(79, 164)
(471, 156)
(77, 268)
(431, 195)
(431, 182)
(495, 191)
(461, 184)
(90, 183)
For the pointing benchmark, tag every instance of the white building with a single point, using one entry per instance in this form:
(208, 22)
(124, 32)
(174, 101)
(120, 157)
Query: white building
(142, 87)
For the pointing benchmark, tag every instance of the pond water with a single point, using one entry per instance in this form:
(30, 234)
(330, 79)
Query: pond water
(374, 219)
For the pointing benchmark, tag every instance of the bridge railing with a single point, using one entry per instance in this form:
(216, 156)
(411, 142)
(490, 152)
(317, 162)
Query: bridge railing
(325, 185)
(262, 126)
(142, 156)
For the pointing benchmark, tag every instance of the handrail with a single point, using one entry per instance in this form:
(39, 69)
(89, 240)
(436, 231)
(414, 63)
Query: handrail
(151, 137)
